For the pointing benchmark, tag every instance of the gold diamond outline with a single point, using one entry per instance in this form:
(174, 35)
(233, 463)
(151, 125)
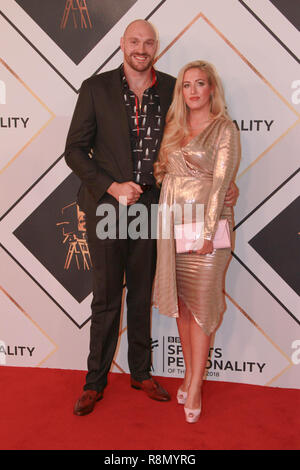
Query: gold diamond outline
(267, 337)
(254, 69)
(35, 324)
(52, 116)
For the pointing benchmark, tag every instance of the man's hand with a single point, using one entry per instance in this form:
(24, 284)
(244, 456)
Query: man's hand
(231, 195)
(129, 192)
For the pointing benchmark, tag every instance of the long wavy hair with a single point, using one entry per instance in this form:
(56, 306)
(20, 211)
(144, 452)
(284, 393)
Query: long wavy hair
(177, 127)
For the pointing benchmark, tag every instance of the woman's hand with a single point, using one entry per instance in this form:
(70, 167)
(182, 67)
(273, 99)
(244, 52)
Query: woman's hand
(231, 195)
(207, 248)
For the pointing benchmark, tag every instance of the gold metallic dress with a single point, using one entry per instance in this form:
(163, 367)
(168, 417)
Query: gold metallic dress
(199, 173)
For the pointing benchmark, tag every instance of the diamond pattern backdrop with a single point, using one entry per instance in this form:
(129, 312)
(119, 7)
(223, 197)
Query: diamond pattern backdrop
(46, 52)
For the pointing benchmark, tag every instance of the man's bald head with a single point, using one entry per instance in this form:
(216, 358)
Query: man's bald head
(141, 24)
(139, 45)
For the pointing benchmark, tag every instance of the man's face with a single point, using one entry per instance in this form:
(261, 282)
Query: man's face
(139, 45)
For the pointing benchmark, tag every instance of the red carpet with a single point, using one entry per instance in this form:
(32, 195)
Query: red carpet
(37, 406)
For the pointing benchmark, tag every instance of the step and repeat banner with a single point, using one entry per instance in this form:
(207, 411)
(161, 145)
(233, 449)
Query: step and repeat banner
(47, 49)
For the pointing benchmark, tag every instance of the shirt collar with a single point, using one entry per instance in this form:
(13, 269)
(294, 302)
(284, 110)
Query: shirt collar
(124, 80)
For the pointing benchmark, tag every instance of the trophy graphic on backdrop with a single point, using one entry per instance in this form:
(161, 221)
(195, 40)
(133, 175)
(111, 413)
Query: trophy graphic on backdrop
(79, 10)
(74, 233)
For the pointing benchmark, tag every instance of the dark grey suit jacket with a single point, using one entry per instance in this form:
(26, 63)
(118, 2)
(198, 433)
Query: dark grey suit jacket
(100, 123)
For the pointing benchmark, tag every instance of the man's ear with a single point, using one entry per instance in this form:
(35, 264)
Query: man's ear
(122, 43)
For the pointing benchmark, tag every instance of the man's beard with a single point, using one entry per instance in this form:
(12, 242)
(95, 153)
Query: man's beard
(136, 65)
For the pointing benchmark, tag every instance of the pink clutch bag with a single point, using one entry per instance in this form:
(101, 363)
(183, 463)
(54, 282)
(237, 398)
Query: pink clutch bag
(189, 237)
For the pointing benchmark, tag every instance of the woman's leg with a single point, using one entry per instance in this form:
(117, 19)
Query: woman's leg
(195, 347)
(183, 325)
(200, 344)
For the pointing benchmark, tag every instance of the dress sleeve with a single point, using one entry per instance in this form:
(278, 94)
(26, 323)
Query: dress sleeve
(226, 161)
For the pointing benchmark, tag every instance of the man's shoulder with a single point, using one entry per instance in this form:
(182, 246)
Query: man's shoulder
(111, 77)
(165, 77)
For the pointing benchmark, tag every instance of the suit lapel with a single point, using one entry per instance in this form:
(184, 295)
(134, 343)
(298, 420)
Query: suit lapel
(121, 135)
(165, 97)
(165, 94)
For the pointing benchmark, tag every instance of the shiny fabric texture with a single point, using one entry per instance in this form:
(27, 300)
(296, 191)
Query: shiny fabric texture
(198, 173)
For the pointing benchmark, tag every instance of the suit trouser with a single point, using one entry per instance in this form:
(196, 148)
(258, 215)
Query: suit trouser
(111, 259)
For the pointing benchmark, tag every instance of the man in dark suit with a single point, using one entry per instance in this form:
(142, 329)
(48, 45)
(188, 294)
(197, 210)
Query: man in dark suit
(120, 116)
(112, 143)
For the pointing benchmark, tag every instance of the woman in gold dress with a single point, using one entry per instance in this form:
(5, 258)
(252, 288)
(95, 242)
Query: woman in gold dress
(199, 156)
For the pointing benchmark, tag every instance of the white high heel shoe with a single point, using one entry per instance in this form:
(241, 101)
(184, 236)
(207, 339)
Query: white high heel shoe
(181, 397)
(192, 416)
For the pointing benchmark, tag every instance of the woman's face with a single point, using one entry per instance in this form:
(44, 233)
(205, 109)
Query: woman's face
(196, 89)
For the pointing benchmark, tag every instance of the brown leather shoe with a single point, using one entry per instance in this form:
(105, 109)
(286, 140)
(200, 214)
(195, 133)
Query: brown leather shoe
(85, 404)
(152, 388)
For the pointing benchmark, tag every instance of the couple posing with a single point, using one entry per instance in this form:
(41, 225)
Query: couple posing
(149, 131)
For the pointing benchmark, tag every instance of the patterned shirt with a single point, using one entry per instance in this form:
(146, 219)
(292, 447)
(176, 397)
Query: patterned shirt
(145, 126)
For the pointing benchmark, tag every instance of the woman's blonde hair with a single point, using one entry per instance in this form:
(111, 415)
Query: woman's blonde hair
(176, 128)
